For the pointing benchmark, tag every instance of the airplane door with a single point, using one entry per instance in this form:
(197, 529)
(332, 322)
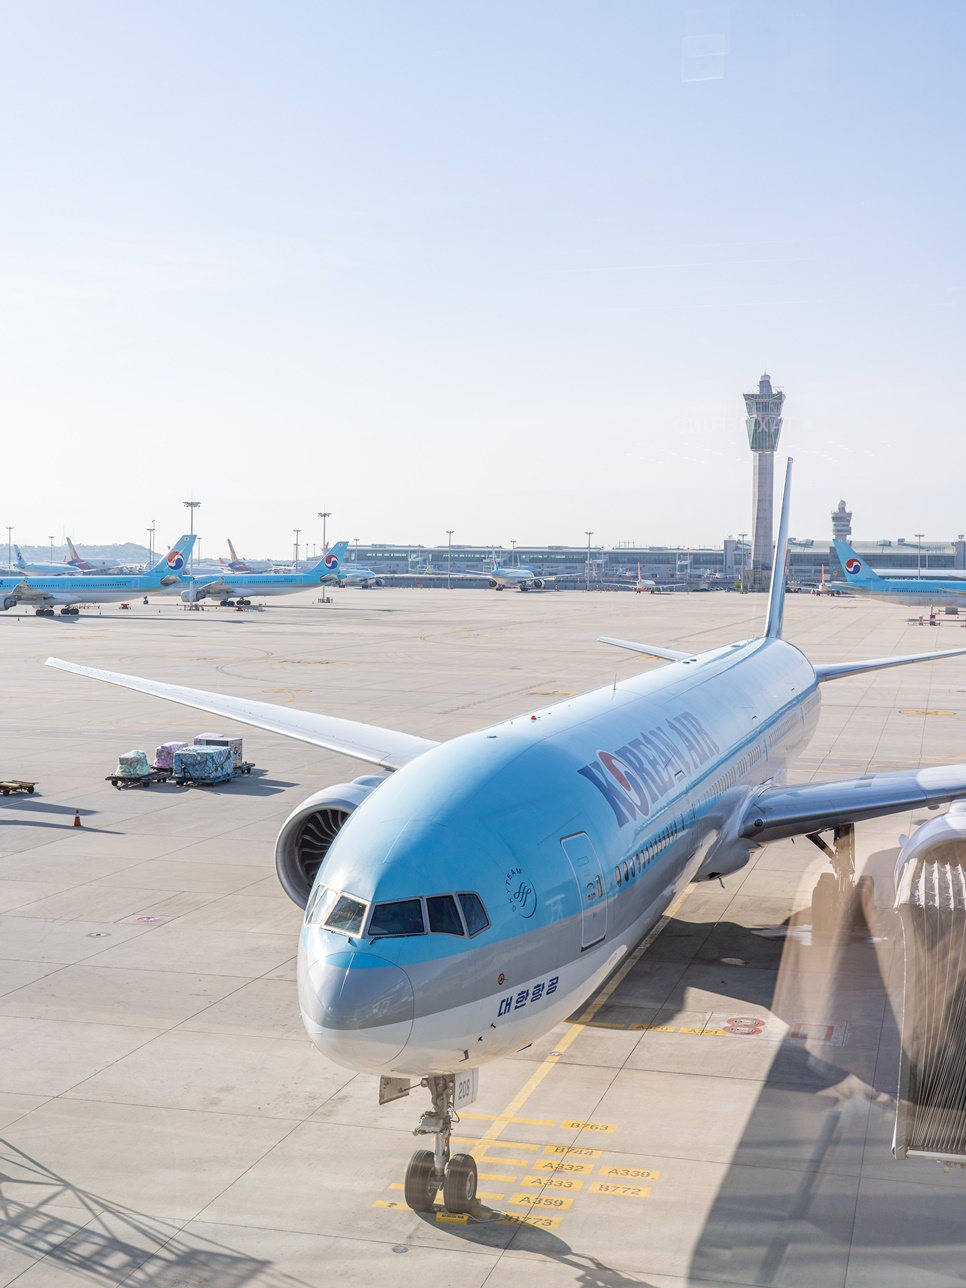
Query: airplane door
(586, 867)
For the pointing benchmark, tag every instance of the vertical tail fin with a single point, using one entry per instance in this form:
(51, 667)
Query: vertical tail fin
(776, 595)
(231, 549)
(856, 570)
(176, 559)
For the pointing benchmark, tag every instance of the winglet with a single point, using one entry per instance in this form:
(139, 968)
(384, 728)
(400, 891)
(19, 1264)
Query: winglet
(776, 595)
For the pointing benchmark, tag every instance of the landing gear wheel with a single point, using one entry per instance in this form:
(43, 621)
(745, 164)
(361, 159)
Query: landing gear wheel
(459, 1187)
(75, 612)
(421, 1181)
(65, 612)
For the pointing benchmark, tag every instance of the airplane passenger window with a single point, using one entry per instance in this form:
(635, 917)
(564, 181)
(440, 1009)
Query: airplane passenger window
(346, 915)
(319, 905)
(474, 913)
(444, 919)
(405, 917)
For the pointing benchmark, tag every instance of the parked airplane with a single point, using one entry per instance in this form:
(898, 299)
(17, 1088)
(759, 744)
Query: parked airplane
(356, 575)
(21, 565)
(98, 565)
(45, 593)
(468, 896)
(522, 578)
(924, 592)
(246, 565)
(643, 583)
(236, 587)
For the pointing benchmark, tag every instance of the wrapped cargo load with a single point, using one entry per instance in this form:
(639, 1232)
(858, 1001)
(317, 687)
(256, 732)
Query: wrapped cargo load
(164, 754)
(131, 764)
(220, 740)
(203, 764)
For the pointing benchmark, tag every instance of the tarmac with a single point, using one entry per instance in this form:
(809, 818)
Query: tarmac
(722, 1113)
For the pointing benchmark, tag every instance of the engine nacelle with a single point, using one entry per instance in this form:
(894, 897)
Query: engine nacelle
(378, 581)
(493, 583)
(309, 831)
(9, 602)
(193, 595)
(938, 840)
(538, 583)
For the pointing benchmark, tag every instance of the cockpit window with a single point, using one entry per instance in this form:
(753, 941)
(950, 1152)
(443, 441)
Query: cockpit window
(444, 919)
(474, 912)
(320, 904)
(347, 915)
(404, 917)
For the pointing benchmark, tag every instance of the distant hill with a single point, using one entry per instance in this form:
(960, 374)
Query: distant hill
(129, 553)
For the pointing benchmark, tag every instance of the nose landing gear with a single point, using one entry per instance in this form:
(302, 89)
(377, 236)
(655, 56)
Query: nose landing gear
(430, 1170)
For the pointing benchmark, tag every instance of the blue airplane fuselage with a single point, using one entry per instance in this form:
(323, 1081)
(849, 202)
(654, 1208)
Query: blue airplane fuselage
(576, 826)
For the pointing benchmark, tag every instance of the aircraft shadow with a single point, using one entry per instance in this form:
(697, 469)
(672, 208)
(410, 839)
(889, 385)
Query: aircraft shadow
(483, 1230)
(108, 1242)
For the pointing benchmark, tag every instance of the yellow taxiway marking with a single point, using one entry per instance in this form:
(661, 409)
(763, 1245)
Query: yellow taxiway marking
(495, 1176)
(562, 1166)
(504, 1144)
(508, 1162)
(551, 1061)
(553, 1183)
(630, 1173)
(577, 1125)
(541, 1222)
(508, 1118)
(542, 1201)
(388, 1203)
(626, 1191)
(577, 1151)
(291, 694)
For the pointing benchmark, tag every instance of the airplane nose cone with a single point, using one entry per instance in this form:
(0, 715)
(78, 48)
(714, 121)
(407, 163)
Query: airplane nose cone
(357, 1008)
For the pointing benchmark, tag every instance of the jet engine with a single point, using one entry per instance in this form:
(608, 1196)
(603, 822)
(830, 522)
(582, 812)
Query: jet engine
(9, 602)
(193, 595)
(493, 583)
(538, 583)
(309, 831)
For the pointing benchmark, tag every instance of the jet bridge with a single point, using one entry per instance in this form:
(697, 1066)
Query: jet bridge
(931, 903)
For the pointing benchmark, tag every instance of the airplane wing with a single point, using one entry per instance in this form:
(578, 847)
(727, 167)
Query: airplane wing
(652, 650)
(24, 593)
(387, 748)
(778, 812)
(838, 670)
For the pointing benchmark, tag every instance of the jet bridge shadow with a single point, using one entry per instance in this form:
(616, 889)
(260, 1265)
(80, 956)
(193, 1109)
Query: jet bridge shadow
(812, 1194)
(107, 1242)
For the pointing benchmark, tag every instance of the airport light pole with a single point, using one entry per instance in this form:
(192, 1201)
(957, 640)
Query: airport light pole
(449, 555)
(151, 542)
(919, 536)
(191, 507)
(323, 515)
(741, 538)
(589, 535)
(51, 549)
(296, 531)
(9, 543)
(513, 552)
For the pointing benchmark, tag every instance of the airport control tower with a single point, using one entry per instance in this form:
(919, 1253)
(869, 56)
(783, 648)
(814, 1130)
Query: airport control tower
(764, 425)
(841, 523)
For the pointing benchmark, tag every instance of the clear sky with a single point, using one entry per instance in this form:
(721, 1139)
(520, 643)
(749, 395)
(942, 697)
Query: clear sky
(500, 267)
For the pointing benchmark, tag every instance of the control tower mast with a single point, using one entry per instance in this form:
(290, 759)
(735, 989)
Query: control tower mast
(764, 425)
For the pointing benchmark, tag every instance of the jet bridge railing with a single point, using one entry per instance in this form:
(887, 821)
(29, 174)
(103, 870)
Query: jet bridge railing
(931, 1109)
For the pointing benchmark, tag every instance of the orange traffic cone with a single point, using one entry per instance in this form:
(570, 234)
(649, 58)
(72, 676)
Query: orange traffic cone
(77, 821)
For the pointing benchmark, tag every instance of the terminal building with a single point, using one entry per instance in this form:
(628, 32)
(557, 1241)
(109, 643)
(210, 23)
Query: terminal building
(684, 565)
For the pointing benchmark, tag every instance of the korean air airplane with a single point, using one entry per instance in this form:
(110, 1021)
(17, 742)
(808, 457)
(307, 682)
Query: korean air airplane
(464, 897)
(44, 594)
(234, 588)
(20, 564)
(925, 592)
(246, 565)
